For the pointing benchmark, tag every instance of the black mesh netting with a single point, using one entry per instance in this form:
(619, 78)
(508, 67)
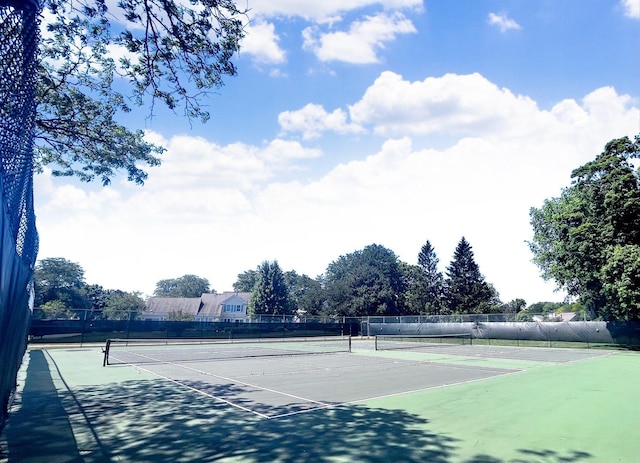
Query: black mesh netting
(18, 236)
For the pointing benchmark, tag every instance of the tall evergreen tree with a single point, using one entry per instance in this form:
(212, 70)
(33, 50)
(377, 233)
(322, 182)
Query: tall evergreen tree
(270, 295)
(432, 281)
(465, 288)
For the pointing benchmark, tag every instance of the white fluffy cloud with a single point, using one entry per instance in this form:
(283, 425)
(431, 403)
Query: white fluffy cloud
(458, 104)
(631, 8)
(262, 43)
(324, 10)
(218, 210)
(471, 105)
(360, 44)
(503, 22)
(313, 119)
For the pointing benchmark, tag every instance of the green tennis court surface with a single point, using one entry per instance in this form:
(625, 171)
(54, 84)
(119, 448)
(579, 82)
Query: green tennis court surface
(458, 403)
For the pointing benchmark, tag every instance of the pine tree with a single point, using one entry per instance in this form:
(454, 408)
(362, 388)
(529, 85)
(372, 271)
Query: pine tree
(465, 288)
(270, 294)
(431, 280)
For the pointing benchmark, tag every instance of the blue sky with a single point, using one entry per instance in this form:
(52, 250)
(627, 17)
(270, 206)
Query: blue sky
(356, 122)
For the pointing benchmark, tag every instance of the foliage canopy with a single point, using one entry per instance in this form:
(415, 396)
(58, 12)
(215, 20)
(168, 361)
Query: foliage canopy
(270, 294)
(365, 282)
(61, 292)
(98, 59)
(588, 239)
(123, 306)
(305, 293)
(246, 281)
(184, 286)
(57, 279)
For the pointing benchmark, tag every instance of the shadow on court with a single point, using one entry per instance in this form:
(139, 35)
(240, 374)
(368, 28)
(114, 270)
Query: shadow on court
(39, 431)
(157, 421)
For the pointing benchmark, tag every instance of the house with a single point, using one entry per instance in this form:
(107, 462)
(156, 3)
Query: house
(223, 307)
(163, 308)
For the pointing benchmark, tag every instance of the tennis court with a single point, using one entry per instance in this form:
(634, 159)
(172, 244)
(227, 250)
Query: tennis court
(440, 403)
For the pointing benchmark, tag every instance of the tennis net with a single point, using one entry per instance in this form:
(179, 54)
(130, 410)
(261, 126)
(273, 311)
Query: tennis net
(399, 341)
(141, 351)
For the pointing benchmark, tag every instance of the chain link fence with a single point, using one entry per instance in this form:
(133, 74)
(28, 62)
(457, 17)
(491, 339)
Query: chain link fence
(19, 246)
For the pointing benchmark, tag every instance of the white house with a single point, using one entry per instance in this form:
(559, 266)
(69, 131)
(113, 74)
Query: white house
(224, 307)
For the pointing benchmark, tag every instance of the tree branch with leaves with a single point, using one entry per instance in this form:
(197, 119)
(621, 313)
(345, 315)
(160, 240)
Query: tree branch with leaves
(97, 61)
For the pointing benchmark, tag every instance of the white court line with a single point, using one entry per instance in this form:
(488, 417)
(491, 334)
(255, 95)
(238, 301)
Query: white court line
(307, 410)
(174, 381)
(323, 405)
(439, 386)
(231, 380)
(515, 372)
(342, 404)
(588, 358)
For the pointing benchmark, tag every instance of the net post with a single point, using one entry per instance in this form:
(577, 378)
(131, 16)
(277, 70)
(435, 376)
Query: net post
(105, 361)
(375, 342)
(349, 344)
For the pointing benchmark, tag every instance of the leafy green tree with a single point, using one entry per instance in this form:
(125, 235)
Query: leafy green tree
(621, 276)
(246, 281)
(123, 306)
(588, 239)
(55, 309)
(270, 295)
(184, 286)
(513, 307)
(97, 56)
(305, 293)
(96, 297)
(58, 279)
(495, 304)
(413, 299)
(544, 307)
(466, 290)
(524, 316)
(366, 282)
(517, 304)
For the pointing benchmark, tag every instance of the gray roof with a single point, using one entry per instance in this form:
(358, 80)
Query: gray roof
(166, 305)
(207, 305)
